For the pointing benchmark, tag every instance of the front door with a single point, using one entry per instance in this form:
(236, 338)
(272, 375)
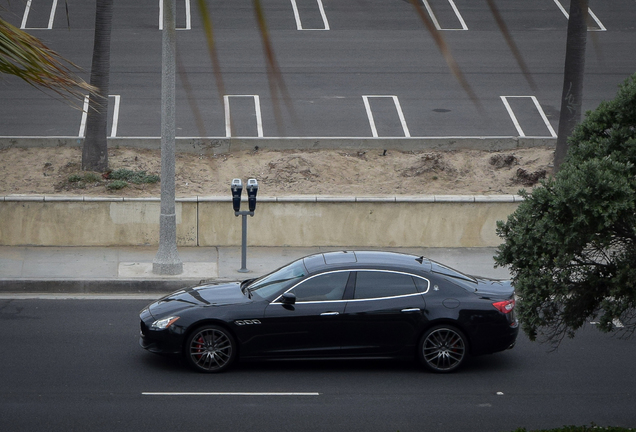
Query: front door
(311, 327)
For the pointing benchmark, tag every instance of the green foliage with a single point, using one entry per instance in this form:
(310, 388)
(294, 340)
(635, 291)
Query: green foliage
(116, 185)
(91, 177)
(571, 245)
(117, 179)
(136, 177)
(82, 179)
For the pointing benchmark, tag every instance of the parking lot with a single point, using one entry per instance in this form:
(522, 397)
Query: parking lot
(351, 68)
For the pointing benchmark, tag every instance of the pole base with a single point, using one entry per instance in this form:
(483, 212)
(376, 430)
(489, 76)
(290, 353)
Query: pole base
(167, 268)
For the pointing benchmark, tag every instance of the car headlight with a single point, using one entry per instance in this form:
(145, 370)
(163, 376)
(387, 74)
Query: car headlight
(164, 323)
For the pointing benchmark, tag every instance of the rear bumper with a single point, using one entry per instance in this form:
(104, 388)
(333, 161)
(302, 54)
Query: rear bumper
(495, 340)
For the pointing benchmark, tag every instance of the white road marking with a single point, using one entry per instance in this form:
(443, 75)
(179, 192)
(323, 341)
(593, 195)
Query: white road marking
(228, 394)
(113, 130)
(82, 129)
(434, 18)
(511, 113)
(188, 25)
(27, 9)
(617, 323)
(398, 107)
(257, 111)
(567, 15)
(299, 24)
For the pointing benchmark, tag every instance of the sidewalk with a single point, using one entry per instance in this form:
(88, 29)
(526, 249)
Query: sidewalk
(128, 270)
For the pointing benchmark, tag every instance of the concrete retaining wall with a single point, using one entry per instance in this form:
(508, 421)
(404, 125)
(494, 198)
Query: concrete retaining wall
(420, 221)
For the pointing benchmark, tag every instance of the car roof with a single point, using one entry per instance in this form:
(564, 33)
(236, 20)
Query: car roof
(366, 259)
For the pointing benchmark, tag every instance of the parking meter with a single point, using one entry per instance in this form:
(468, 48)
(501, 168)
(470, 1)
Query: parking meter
(237, 190)
(252, 190)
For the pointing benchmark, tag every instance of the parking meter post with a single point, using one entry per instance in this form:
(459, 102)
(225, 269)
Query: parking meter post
(243, 268)
(237, 188)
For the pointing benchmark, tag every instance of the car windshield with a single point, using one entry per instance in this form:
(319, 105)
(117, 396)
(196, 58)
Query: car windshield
(269, 286)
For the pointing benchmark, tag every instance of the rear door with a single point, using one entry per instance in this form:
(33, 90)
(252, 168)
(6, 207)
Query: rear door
(385, 315)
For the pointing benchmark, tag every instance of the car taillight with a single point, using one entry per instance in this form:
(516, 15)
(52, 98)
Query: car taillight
(505, 306)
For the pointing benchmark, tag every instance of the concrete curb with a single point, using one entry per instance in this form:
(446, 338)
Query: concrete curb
(96, 286)
(219, 145)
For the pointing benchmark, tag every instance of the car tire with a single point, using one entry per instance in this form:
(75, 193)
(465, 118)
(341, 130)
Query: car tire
(210, 349)
(443, 348)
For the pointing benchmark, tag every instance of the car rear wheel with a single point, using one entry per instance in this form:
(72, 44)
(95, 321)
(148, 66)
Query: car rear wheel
(210, 348)
(443, 349)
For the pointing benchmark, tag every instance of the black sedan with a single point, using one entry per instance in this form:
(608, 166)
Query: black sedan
(362, 304)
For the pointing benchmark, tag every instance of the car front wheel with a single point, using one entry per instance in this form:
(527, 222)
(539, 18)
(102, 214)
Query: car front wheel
(210, 348)
(443, 349)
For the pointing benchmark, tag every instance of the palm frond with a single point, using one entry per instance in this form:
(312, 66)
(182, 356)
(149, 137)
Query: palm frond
(511, 43)
(209, 36)
(446, 53)
(275, 77)
(26, 57)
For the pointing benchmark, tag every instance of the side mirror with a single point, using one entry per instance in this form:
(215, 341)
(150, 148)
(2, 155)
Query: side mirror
(288, 298)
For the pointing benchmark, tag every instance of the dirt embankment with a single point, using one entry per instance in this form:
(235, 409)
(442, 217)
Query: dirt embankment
(280, 173)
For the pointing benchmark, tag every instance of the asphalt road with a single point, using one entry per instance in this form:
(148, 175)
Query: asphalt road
(70, 365)
(375, 71)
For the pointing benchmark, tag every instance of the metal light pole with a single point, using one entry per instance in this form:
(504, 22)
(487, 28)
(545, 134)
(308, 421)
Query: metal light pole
(167, 261)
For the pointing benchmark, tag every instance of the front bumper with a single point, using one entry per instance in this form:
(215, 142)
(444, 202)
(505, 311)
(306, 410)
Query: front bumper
(158, 341)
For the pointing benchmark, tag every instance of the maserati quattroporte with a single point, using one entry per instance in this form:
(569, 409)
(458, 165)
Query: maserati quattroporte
(354, 304)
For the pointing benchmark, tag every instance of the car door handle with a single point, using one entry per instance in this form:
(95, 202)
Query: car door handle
(411, 310)
(329, 313)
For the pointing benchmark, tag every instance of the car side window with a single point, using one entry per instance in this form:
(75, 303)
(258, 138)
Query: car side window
(422, 284)
(324, 287)
(378, 284)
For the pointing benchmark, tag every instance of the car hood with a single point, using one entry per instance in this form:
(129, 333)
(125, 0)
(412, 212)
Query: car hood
(204, 295)
(494, 288)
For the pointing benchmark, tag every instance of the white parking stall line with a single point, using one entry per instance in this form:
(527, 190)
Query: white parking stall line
(82, 129)
(25, 17)
(436, 22)
(230, 394)
(188, 17)
(113, 129)
(511, 113)
(601, 27)
(616, 322)
(257, 111)
(321, 8)
(398, 108)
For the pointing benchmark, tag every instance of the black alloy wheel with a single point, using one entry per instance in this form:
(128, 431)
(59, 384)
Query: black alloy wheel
(210, 348)
(443, 349)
